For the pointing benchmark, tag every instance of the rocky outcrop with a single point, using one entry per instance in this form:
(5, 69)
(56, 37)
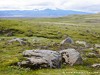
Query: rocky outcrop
(41, 58)
(71, 56)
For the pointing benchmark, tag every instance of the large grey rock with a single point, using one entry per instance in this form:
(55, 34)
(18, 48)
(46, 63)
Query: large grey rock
(71, 56)
(21, 41)
(67, 40)
(42, 58)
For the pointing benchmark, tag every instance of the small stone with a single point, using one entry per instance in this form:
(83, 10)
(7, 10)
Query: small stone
(67, 40)
(81, 43)
(96, 65)
(21, 41)
(97, 45)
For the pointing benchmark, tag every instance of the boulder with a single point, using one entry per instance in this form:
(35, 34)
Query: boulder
(42, 58)
(67, 40)
(71, 56)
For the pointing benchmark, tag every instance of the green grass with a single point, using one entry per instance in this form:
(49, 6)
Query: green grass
(48, 31)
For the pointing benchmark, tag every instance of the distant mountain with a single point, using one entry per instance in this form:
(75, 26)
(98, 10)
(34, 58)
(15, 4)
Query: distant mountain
(38, 13)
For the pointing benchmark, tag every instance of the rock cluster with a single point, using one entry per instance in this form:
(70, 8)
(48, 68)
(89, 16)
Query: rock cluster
(49, 58)
(68, 53)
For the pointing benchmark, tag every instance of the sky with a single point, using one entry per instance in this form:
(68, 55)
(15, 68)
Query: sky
(77, 5)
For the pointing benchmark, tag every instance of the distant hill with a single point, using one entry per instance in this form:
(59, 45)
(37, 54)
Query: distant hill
(38, 13)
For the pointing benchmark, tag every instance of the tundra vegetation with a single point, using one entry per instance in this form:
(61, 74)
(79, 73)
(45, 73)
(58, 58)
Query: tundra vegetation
(48, 33)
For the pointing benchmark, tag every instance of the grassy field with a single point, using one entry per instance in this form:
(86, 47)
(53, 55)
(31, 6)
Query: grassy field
(48, 31)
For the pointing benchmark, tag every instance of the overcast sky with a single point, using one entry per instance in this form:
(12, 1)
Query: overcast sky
(79, 5)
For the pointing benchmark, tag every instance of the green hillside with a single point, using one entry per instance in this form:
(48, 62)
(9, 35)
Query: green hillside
(47, 31)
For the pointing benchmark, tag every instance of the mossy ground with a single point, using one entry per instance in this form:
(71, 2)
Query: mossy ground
(47, 31)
